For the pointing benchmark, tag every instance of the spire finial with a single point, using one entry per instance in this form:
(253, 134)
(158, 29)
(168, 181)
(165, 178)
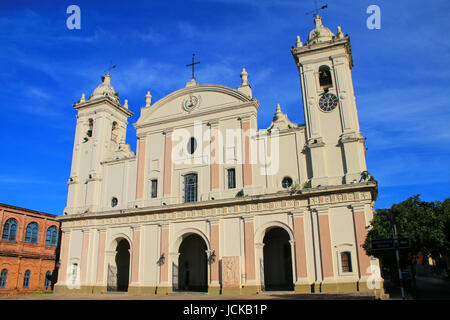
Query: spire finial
(278, 108)
(126, 103)
(148, 99)
(83, 98)
(299, 42)
(339, 33)
(244, 77)
(107, 79)
(318, 21)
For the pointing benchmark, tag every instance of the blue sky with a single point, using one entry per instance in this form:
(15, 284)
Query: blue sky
(401, 78)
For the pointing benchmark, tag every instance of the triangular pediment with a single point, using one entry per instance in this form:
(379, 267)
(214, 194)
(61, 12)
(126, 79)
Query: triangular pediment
(192, 101)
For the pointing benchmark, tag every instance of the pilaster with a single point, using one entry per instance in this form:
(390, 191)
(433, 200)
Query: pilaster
(167, 187)
(249, 234)
(214, 250)
(140, 178)
(300, 248)
(326, 253)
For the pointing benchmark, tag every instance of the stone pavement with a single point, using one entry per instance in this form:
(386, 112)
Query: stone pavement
(194, 296)
(429, 287)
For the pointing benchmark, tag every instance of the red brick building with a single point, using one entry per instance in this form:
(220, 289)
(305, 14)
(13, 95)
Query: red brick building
(29, 248)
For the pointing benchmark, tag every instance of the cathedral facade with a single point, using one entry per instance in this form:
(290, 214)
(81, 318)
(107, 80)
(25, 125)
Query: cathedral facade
(211, 203)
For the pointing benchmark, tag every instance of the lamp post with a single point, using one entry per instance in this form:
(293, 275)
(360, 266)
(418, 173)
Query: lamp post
(212, 257)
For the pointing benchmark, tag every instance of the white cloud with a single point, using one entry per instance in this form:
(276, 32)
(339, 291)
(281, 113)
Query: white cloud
(21, 180)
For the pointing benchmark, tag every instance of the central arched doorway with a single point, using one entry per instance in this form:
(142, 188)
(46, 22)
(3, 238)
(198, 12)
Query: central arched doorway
(192, 264)
(122, 260)
(277, 260)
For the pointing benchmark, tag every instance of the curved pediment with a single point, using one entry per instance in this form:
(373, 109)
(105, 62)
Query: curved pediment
(190, 101)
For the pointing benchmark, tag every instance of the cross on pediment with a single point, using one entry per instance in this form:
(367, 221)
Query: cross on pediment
(193, 65)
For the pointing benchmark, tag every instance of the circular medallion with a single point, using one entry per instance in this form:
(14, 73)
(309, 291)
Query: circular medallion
(190, 103)
(328, 102)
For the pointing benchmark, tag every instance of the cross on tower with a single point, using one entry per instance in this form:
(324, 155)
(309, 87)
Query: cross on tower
(192, 64)
(111, 66)
(315, 12)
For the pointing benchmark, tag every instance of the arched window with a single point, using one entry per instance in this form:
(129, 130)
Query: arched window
(47, 279)
(114, 202)
(190, 187)
(346, 261)
(52, 236)
(26, 279)
(192, 145)
(114, 131)
(3, 278)
(10, 230)
(32, 232)
(325, 77)
(90, 127)
(287, 182)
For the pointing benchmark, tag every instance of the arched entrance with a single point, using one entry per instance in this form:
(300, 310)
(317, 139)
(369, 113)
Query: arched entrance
(277, 260)
(192, 264)
(119, 270)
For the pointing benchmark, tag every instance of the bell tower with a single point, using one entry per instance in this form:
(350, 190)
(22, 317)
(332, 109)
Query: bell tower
(99, 136)
(334, 143)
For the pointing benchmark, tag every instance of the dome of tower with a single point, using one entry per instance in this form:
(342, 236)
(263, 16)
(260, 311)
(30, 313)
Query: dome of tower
(105, 89)
(320, 33)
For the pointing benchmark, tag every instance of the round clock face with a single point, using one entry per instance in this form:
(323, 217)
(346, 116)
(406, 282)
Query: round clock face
(328, 102)
(190, 103)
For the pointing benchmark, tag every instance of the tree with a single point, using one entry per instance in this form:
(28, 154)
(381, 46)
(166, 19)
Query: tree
(444, 213)
(426, 224)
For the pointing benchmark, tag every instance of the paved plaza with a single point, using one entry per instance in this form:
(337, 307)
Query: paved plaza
(194, 296)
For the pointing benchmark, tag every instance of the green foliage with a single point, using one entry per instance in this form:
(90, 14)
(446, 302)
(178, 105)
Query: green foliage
(43, 292)
(307, 185)
(366, 176)
(295, 188)
(426, 224)
(444, 213)
(240, 194)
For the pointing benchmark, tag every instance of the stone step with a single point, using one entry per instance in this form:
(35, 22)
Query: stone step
(114, 292)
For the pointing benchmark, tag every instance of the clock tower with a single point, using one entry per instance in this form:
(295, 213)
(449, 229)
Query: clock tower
(334, 144)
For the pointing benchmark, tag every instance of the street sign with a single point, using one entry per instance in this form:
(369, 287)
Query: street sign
(389, 244)
(403, 243)
(382, 244)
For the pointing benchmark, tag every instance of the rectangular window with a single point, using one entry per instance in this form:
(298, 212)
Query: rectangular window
(231, 178)
(346, 262)
(190, 188)
(154, 188)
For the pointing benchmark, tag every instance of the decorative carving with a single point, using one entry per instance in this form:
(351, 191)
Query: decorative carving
(230, 272)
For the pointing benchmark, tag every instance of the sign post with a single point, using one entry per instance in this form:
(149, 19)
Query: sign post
(394, 243)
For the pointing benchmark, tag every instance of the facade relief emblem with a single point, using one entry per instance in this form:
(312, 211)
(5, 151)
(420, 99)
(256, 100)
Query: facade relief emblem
(190, 103)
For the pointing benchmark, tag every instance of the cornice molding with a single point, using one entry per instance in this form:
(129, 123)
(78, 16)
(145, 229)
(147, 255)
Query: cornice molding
(107, 100)
(245, 207)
